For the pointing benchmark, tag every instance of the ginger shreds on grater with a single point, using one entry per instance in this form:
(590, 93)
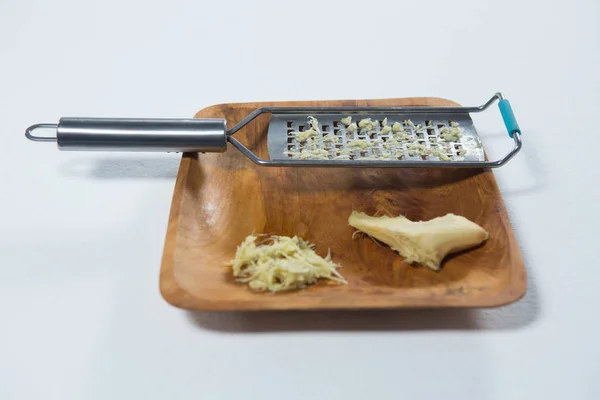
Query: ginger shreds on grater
(310, 140)
(314, 124)
(303, 136)
(397, 127)
(385, 130)
(346, 121)
(352, 127)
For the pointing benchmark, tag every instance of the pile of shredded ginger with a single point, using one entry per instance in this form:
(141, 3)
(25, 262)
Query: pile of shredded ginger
(281, 263)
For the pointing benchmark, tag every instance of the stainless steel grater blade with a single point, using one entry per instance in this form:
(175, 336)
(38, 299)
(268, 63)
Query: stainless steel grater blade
(282, 140)
(212, 135)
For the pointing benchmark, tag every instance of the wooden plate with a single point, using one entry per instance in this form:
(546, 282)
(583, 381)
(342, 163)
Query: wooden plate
(219, 199)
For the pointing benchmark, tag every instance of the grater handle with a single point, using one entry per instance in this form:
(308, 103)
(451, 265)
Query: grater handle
(129, 134)
(509, 117)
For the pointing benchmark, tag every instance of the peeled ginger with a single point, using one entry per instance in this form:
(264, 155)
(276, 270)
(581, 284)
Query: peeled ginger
(281, 263)
(423, 242)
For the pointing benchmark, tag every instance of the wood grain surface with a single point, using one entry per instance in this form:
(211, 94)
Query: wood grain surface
(219, 199)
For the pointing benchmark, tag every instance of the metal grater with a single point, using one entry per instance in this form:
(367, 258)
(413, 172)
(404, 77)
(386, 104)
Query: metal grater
(212, 135)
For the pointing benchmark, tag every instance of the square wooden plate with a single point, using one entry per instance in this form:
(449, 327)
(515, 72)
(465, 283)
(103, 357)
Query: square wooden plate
(219, 199)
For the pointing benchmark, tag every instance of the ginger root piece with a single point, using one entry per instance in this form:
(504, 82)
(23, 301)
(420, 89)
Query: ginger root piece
(423, 242)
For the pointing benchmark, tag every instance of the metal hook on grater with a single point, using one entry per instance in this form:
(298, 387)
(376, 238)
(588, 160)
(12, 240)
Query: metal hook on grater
(212, 135)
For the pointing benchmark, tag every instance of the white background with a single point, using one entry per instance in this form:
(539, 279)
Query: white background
(81, 234)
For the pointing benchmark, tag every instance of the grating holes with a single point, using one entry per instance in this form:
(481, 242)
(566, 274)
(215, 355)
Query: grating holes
(301, 128)
(420, 135)
(325, 128)
(290, 140)
(290, 132)
(290, 146)
(430, 131)
(289, 124)
(440, 126)
(423, 157)
(336, 131)
(400, 158)
(458, 147)
(428, 122)
(336, 123)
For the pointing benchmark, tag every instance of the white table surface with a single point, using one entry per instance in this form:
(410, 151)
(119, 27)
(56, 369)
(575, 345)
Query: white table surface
(81, 234)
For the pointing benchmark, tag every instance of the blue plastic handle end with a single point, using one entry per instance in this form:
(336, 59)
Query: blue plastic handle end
(509, 117)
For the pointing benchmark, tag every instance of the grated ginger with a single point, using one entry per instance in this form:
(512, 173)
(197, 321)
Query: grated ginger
(330, 137)
(364, 122)
(367, 125)
(359, 143)
(385, 130)
(392, 147)
(281, 263)
(402, 136)
(391, 144)
(314, 124)
(397, 127)
(316, 154)
(450, 134)
(346, 121)
(441, 155)
(416, 146)
(302, 136)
